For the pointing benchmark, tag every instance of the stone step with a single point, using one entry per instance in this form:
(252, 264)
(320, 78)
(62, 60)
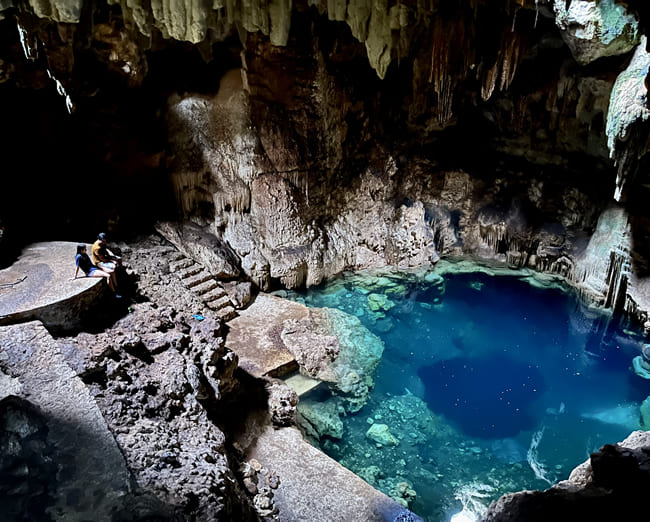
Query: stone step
(180, 264)
(168, 251)
(227, 313)
(301, 384)
(177, 256)
(206, 287)
(220, 303)
(213, 294)
(197, 279)
(190, 271)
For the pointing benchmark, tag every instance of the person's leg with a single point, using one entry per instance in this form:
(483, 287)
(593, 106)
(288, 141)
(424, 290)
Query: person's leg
(101, 273)
(107, 267)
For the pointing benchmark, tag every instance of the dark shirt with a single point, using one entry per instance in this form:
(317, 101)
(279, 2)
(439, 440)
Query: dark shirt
(84, 262)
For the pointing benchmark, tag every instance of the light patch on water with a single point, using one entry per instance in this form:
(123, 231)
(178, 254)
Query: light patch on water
(625, 415)
(473, 498)
(533, 457)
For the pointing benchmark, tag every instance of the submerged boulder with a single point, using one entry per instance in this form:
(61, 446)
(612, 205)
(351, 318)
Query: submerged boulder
(381, 434)
(320, 419)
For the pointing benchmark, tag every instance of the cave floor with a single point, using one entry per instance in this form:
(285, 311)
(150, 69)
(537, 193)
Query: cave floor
(40, 285)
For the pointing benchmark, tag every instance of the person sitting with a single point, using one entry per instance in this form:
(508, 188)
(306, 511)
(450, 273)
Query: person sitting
(103, 257)
(84, 263)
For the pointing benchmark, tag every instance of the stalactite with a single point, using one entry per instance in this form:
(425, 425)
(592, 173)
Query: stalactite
(28, 41)
(505, 66)
(452, 56)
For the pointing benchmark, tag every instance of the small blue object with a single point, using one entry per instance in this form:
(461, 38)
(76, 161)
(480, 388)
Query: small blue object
(198, 317)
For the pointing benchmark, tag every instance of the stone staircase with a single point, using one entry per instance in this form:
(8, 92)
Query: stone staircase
(203, 284)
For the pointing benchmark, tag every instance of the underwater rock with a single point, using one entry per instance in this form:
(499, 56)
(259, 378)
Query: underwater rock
(377, 302)
(381, 435)
(508, 450)
(320, 418)
(640, 367)
(403, 493)
(371, 474)
(360, 353)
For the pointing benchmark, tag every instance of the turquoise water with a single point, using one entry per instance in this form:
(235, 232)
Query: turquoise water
(489, 384)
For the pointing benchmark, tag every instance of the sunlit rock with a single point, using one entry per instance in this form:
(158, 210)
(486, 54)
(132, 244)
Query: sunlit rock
(377, 302)
(66, 11)
(594, 29)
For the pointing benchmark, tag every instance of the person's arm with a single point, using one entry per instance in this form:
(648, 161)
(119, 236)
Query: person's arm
(76, 272)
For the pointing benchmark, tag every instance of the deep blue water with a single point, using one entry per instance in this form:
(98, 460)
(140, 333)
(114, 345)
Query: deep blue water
(491, 385)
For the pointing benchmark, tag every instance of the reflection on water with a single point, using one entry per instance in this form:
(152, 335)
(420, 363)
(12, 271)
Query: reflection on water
(488, 385)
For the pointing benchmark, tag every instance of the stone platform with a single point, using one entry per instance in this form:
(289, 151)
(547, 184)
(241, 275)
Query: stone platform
(39, 286)
(315, 488)
(255, 336)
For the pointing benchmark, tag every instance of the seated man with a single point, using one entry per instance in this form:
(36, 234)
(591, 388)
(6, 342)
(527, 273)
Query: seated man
(103, 257)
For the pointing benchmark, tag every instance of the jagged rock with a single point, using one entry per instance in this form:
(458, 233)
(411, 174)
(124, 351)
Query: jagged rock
(381, 434)
(202, 246)
(314, 351)
(240, 293)
(594, 29)
(282, 403)
(66, 11)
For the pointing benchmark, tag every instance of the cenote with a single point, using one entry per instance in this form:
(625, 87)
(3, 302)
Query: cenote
(489, 384)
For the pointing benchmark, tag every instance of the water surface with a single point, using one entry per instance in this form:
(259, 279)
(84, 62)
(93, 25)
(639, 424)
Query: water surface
(491, 386)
